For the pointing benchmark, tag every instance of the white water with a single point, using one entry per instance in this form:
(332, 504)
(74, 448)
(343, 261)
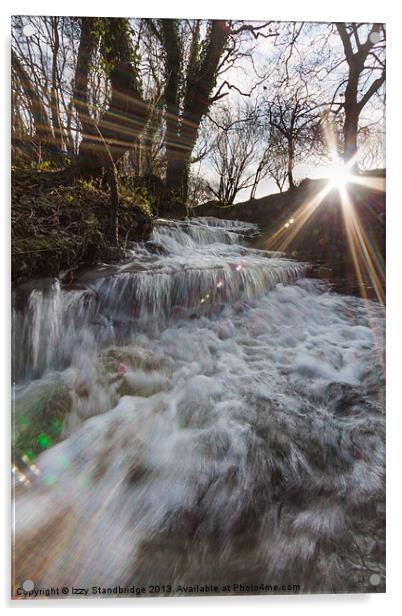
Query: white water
(225, 423)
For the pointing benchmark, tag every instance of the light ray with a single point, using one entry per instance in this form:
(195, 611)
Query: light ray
(367, 262)
(363, 254)
(283, 237)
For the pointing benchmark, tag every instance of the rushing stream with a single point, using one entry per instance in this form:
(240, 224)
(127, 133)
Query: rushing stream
(201, 414)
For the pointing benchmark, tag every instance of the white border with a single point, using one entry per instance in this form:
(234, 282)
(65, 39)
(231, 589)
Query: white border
(307, 10)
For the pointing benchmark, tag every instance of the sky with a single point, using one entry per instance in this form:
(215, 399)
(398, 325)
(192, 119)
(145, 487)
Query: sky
(244, 77)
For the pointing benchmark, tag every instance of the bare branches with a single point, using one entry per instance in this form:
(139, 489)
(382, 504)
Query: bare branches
(361, 83)
(40, 117)
(234, 153)
(219, 94)
(347, 45)
(255, 31)
(144, 87)
(374, 87)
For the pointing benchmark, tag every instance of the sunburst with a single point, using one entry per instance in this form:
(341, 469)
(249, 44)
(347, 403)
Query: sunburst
(367, 261)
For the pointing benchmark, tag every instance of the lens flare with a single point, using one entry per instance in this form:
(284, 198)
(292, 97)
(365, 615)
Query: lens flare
(367, 260)
(339, 175)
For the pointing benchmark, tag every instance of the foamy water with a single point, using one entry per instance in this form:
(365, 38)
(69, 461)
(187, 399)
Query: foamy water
(224, 422)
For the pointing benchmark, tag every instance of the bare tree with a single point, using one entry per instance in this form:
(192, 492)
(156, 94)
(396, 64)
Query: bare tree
(43, 64)
(188, 98)
(235, 152)
(275, 160)
(344, 70)
(294, 120)
(41, 122)
(364, 49)
(197, 55)
(142, 91)
(198, 190)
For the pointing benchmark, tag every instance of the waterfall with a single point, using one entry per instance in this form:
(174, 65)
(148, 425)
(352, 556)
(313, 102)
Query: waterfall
(200, 414)
(205, 267)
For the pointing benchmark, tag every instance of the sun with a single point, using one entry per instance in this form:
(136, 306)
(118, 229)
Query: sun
(339, 175)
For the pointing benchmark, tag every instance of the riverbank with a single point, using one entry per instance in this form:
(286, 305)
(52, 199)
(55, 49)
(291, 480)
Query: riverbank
(58, 228)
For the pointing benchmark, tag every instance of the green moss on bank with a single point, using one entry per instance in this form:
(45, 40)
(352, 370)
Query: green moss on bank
(58, 227)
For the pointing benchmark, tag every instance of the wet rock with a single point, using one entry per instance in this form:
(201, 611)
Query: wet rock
(156, 248)
(133, 357)
(140, 383)
(40, 410)
(343, 399)
(137, 473)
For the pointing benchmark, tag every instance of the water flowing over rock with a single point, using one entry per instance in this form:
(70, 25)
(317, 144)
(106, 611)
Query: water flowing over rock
(206, 267)
(224, 424)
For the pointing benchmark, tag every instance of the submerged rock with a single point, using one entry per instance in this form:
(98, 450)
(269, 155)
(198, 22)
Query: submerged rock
(131, 356)
(343, 399)
(141, 383)
(40, 410)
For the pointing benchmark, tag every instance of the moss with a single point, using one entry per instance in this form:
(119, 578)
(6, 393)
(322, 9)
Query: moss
(58, 227)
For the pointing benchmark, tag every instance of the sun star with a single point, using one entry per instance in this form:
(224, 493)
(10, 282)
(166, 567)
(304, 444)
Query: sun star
(339, 175)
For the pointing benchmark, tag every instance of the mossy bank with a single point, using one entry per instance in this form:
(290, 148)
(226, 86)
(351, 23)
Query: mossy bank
(58, 226)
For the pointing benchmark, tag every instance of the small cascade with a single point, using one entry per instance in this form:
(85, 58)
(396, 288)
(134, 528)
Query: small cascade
(205, 265)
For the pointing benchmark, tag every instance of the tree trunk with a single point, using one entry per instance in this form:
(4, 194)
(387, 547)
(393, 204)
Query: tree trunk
(87, 45)
(55, 111)
(352, 105)
(291, 165)
(200, 81)
(351, 123)
(173, 67)
(69, 134)
(114, 205)
(178, 166)
(123, 122)
(350, 135)
(256, 180)
(148, 142)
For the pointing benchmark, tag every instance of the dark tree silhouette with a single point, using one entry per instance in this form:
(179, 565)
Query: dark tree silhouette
(365, 60)
(183, 117)
(191, 80)
(123, 121)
